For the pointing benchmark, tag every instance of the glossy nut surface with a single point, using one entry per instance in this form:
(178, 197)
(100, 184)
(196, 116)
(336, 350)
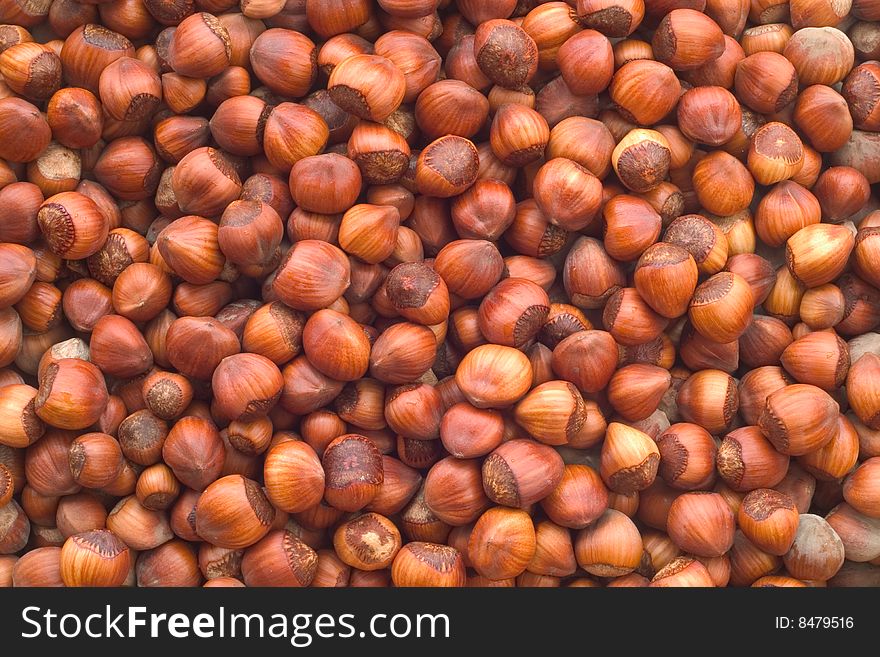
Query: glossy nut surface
(434, 293)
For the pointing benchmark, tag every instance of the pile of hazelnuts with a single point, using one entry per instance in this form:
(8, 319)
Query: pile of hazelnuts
(439, 293)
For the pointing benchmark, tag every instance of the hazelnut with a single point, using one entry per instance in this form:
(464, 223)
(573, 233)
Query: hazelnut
(200, 46)
(819, 54)
(579, 498)
(609, 547)
(859, 488)
(402, 353)
(246, 386)
(822, 115)
(710, 399)
(354, 473)
(746, 460)
(72, 394)
(94, 558)
(193, 451)
(233, 512)
(828, 358)
(414, 411)
(31, 69)
(521, 472)
(687, 39)
(285, 61)
(199, 171)
(554, 551)
(818, 253)
(336, 345)
(629, 459)
(505, 53)
(369, 86)
(645, 91)
(681, 572)
(95, 460)
(817, 552)
(40, 567)
(368, 542)
(304, 281)
(27, 134)
(453, 491)
(279, 559)
(427, 564)
(687, 456)
(635, 390)
(800, 431)
(630, 320)
(447, 167)
(721, 307)
(553, 412)
(614, 18)
(292, 132)
(502, 543)
(593, 352)
(586, 62)
(140, 528)
(775, 153)
(641, 159)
